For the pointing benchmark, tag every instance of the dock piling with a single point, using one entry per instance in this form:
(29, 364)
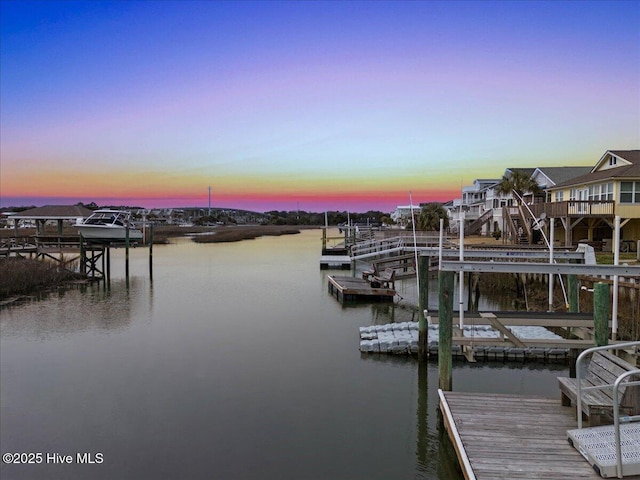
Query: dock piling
(423, 305)
(445, 329)
(601, 308)
(572, 287)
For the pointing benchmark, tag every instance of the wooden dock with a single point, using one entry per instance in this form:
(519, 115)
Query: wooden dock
(352, 289)
(512, 437)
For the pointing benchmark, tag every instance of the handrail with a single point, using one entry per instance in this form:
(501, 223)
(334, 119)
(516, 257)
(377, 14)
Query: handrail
(579, 361)
(616, 416)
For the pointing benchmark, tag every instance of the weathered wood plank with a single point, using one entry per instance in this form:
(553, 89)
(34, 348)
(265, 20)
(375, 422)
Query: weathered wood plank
(514, 437)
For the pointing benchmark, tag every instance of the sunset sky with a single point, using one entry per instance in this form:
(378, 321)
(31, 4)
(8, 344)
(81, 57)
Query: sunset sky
(310, 105)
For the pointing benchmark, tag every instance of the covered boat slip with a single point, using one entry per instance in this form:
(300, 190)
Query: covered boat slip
(513, 437)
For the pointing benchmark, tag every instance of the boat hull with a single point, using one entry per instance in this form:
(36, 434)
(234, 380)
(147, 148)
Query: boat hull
(108, 233)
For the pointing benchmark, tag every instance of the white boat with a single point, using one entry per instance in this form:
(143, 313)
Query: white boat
(109, 225)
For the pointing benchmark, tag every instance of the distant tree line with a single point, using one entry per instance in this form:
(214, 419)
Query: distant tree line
(301, 217)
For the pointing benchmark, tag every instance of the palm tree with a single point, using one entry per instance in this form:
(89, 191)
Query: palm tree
(518, 184)
(430, 215)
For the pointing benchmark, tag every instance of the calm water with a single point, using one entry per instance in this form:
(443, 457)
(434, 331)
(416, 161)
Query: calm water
(234, 363)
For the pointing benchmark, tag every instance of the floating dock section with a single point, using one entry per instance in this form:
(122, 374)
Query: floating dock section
(402, 339)
(342, 262)
(352, 289)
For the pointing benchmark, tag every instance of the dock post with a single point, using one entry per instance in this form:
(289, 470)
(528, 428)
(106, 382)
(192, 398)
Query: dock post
(151, 252)
(423, 304)
(601, 313)
(126, 257)
(572, 287)
(445, 328)
(83, 257)
(324, 239)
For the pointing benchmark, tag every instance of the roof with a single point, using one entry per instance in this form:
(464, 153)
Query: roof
(563, 174)
(526, 171)
(632, 170)
(54, 212)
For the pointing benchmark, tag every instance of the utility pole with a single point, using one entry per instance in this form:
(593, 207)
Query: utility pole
(209, 200)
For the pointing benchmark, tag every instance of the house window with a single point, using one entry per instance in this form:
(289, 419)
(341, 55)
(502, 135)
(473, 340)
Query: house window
(573, 194)
(612, 161)
(559, 196)
(601, 192)
(629, 192)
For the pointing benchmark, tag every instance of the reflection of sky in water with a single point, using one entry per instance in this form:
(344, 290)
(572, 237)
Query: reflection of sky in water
(235, 362)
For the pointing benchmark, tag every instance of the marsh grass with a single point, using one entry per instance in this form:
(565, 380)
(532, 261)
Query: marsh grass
(235, 234)
(22, 276)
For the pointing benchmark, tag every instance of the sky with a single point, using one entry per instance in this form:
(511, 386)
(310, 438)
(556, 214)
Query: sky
(309, 105)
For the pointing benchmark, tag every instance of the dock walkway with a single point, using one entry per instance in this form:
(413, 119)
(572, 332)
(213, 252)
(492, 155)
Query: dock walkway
(512, 437)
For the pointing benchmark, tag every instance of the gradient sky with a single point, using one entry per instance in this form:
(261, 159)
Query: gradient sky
(310, 105)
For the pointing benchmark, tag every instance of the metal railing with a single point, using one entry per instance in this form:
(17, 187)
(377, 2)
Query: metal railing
(579, 365)
(616, 393)
(371, 248)
(616, 416)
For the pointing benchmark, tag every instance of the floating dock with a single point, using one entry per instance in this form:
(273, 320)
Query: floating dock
(512, 437)
(343, 262)
(485, 342)
(352, 289)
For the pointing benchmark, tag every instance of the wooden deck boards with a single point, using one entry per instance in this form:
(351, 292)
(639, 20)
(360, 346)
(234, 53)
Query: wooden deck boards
(513, 437)
(353, 289)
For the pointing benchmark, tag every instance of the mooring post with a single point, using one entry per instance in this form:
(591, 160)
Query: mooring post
(83, 257)
(601, 310)
(108, 282)
(445, 328)
(572, 287)
(423, 306)
(126, 256)
(151, 252)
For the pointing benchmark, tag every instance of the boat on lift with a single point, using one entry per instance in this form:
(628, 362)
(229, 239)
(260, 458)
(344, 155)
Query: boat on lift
(108, 225)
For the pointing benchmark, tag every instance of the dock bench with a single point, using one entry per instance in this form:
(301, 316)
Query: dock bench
(386, 278)
(604, 368)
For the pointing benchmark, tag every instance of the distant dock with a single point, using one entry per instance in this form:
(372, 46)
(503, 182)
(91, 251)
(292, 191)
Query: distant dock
(352, 289)
(343, 262)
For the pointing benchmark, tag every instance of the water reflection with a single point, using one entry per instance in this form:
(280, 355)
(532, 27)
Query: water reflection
(236, 364)
(77, 309)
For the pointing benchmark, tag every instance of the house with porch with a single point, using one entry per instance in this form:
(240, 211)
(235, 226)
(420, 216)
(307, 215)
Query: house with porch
(584, 207)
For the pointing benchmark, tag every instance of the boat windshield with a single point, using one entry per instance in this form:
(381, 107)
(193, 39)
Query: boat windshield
(106, 218)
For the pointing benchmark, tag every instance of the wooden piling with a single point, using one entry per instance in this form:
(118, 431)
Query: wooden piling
(572, 287)
(151, 252)
(126, 258)
(601, 309)
(83, 257)
(445, 328)
(423, 304)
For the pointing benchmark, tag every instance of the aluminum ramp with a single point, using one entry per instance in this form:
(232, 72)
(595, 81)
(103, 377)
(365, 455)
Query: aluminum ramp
(598, 446)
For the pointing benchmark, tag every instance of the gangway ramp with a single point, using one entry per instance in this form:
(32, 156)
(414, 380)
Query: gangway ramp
(598, 446)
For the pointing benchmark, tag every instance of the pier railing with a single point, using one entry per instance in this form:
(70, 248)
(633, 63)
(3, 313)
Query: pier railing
(400, 243)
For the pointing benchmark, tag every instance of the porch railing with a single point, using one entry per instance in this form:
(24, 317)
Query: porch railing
(574, 208)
